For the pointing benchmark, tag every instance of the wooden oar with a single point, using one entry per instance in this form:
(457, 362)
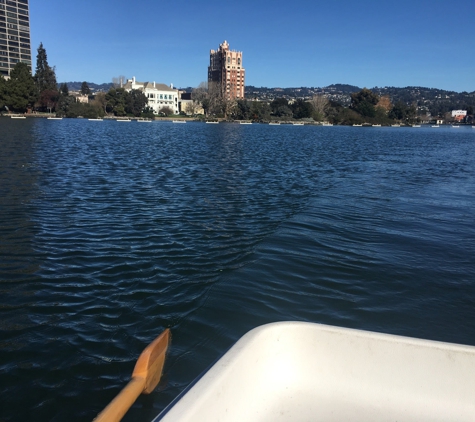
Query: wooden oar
(146, 375)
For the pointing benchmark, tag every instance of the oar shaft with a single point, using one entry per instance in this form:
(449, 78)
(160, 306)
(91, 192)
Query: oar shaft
(146, 375)
(118, 407)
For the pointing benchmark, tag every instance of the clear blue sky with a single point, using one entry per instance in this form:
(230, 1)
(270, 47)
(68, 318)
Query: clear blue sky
(284, 43)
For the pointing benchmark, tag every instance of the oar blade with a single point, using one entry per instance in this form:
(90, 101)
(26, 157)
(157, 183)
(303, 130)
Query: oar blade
(146, 375)
(150, 363)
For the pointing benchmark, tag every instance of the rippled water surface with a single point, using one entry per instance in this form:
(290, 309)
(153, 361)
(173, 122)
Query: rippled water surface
(111, 232)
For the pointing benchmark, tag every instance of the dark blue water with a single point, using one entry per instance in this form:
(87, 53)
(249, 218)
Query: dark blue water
(111, 232)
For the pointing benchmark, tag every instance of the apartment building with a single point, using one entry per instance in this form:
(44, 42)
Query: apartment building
(225, 71)
(15, 43)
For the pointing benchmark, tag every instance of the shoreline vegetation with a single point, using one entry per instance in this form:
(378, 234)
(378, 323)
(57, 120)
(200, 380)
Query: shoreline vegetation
(24, 94)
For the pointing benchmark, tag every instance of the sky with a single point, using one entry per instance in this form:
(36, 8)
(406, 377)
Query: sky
(297, 43)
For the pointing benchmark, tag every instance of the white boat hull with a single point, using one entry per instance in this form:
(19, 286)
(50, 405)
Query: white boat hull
(296, 371)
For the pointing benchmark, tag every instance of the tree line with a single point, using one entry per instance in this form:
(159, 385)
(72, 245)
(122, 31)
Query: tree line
(24, 92)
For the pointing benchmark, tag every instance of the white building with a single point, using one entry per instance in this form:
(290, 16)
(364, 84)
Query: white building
(158, 95)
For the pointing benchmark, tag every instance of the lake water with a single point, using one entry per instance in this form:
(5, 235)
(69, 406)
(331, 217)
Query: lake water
(111, 232)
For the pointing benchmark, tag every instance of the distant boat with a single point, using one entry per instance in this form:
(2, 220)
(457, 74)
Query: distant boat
(357, 125)
(327, 124)
(297, 124)
(179, 121)
(55, 118)
(18, 117)
(455, 126)
(435, 126)
(245, 123)
(274, 123)
(376, 125)
(416, 125)
(395, 125)
(95, 120)
(123, 120)
(144, 120)
(212, 123)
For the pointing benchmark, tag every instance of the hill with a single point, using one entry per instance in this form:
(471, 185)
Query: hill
(433, 100)
(76, 86)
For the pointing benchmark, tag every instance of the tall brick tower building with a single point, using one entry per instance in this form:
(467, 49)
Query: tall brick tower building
(14, 35)
(225, 69)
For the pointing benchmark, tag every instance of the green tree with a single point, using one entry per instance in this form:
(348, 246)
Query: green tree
(301, 109)
(85, 88)
(402, 112)
(337, 114)
(21, 89)
(260, 111)
(45, 76)
(64, 89)
(64, 105)
(364, 102)
(399, 110)
(3, 93)
(135, 102)
(243, 110)
(284, 111)
(115, 98)
(148, 113)
(277, 104)
(120, 102)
